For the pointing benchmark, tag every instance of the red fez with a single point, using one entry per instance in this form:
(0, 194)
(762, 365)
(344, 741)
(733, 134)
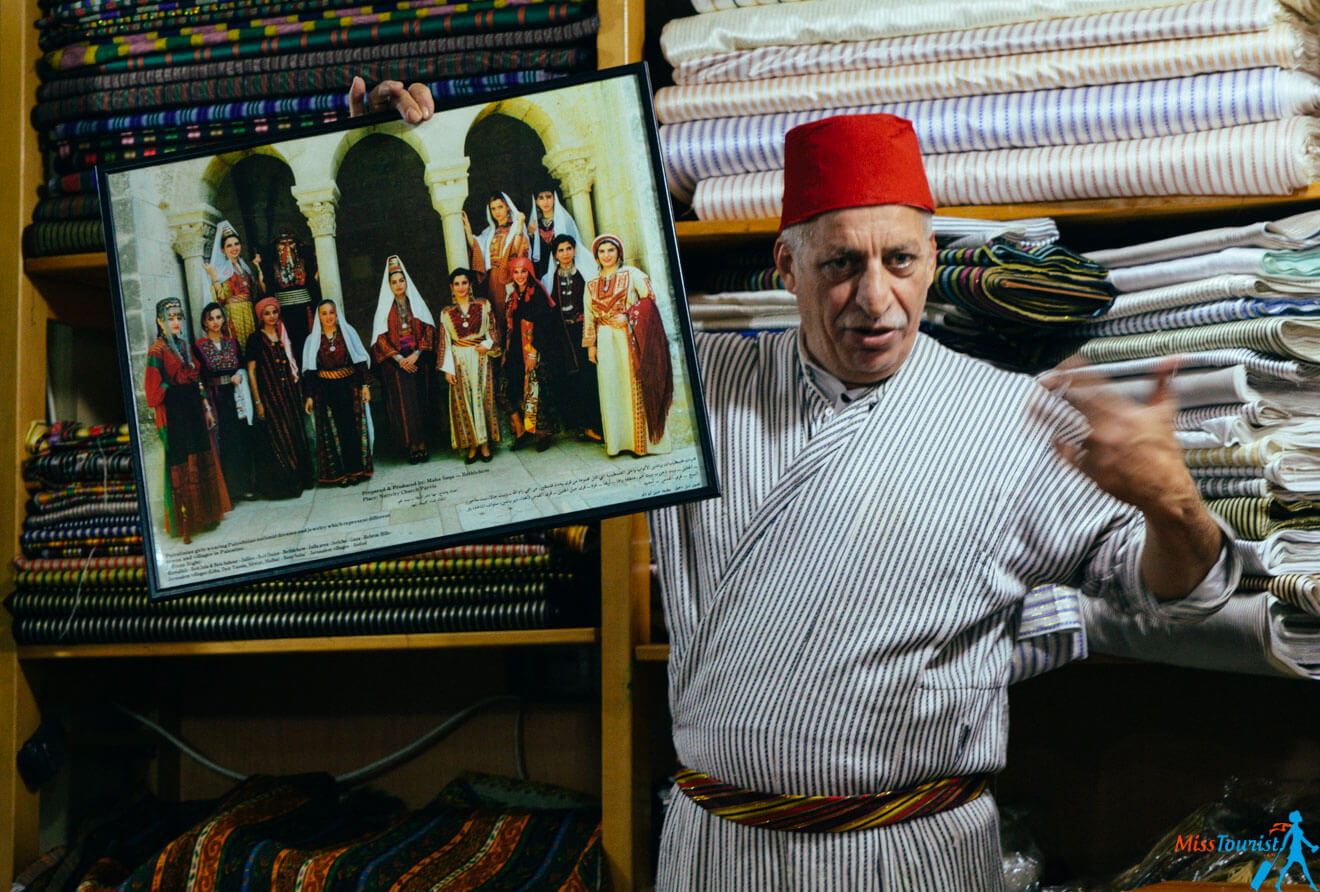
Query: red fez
(852, 161)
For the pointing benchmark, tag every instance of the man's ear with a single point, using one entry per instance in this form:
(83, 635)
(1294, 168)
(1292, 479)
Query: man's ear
(784, 264)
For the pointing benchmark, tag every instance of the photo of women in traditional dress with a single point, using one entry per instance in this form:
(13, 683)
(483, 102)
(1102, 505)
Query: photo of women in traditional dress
(550, 219)
(281, 459)
(225, 375)
(236, 285)
(470, 328)
(195, 495)
(403, 343)
(537, 358)
(503, 239)
(334, 378)
(626, 339)
(579, 401)
(295, 284)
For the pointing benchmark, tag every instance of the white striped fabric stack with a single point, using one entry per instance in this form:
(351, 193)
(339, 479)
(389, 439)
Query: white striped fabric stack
(1012, 102)
(1237, 310)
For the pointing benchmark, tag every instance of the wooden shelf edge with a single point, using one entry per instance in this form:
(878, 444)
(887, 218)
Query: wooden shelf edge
(1108, 210)
(651, 653)
(84, 269)
(431, 641)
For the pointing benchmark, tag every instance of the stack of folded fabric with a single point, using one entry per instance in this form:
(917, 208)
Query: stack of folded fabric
(1036, 101)
(82, 575)
(1234, 310)
(138, 79)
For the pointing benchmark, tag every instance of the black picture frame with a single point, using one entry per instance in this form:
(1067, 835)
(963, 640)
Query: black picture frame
(328, 208)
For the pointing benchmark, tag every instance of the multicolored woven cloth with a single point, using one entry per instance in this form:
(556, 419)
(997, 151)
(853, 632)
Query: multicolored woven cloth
(1037, 286)
(827, 814)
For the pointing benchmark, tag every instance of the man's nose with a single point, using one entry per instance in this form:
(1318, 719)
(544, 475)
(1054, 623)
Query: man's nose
(875, 289)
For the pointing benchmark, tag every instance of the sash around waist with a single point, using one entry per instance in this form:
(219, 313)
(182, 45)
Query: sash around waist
(827, 814)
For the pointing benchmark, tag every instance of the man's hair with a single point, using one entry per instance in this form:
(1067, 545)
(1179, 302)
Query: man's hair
(799, 234)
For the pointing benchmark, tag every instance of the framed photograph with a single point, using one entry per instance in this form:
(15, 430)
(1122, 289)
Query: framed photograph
(376, 338)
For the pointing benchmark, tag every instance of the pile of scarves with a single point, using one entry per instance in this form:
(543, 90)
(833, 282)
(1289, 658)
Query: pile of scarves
(1039, 101)
(82, 574)
(126, 80)
(303, 832)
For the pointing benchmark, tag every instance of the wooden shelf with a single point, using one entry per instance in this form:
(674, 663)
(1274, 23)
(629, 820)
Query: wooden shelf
(520, 638)
(713, 233)
(84, 269)
(651, 653)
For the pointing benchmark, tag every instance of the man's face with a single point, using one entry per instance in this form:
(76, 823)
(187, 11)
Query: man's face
(860, 278)
(565, 254)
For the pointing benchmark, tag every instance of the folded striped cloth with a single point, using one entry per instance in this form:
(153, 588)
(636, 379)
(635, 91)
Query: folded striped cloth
(1201, 291)
(1276, 158)
(1285, 552)
(1204, 314)
(723, 145)
(832, 21)
(1039, 286)
(1296, 233)
(1281, 336)
(1261, 367)
(1299, 269)
(1262, 518)
(1166, 26)
(1300, 590)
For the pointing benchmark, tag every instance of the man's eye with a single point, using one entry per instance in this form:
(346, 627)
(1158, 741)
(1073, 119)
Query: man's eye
(901, 260)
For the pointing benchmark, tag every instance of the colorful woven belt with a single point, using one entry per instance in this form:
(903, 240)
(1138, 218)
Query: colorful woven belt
(827, 814)
(333, 374)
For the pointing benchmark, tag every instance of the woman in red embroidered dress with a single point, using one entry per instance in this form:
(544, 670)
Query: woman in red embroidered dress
(504, 238)
(473, 423)
(624, 336)
(195, 495)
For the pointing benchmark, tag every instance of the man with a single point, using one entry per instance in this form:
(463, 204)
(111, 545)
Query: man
(841, 620)
(580, 400)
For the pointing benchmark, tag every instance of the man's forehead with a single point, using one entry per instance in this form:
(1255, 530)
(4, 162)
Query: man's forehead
(887, 226)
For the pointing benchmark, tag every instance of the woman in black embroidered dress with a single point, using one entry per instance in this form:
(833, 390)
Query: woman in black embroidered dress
(334, 379)
(225, 378)
(282, 460)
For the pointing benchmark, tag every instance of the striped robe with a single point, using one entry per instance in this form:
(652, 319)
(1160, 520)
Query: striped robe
(841, 621)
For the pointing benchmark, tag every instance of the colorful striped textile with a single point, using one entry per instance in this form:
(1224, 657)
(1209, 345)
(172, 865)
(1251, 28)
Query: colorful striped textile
(1204, 314)
(1296, 233)
(973, 77)
(1257, 159)
(358, 57)
(124, 508)
(159, 32)
(110, 59)
(826, 814)
(833, 21)
(1168, 25)
(1296, 338)
(1043, 286)
(1293, 268)
(304, 80)
(1233, 488)
(67, 207)
(694, 150)
(324, 108)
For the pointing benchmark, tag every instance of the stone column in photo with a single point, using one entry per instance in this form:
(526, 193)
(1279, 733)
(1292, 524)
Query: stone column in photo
(449, 189)
(192, 232)
(318, 204)
(573, 169)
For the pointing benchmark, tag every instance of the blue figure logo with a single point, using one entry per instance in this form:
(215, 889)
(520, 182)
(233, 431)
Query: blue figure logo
(1293, 841)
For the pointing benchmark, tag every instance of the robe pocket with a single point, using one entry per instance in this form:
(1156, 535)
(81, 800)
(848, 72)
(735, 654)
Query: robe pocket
(961, 730)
